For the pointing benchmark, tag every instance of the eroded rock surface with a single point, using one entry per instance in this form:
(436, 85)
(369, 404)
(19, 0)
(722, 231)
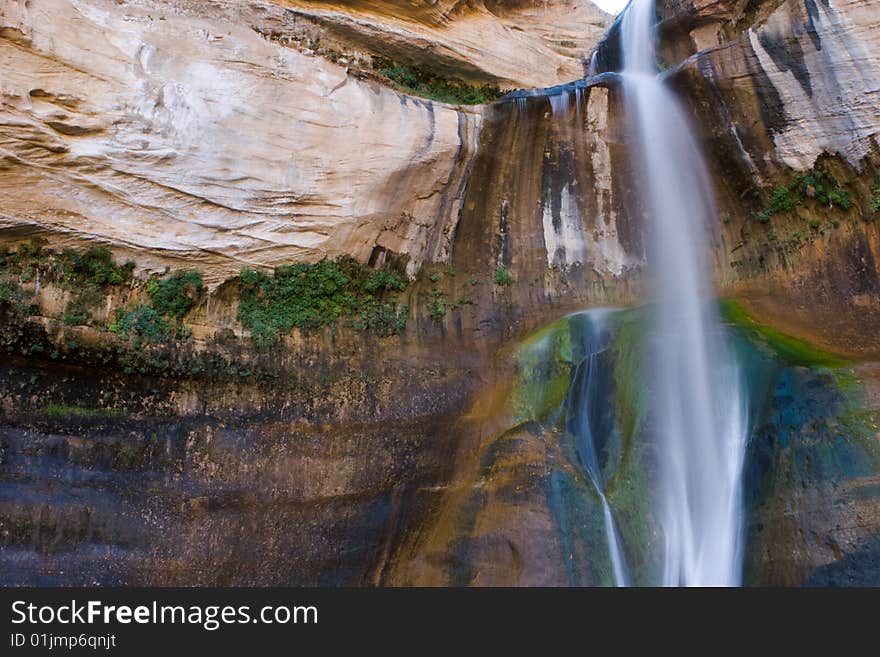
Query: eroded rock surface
(524, 43)
(176, 133)
(192, 134)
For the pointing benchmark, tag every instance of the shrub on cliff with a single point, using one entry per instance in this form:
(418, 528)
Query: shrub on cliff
(171, 298)
(816, 185)
(142, 323)
(311, 296)
(94, 267)
(502, 277)
(175, 295)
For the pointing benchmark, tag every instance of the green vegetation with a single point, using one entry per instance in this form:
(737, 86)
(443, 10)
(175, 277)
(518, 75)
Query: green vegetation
(502, 276)
(88, 276)
(63, 411)
(789, 349)
(76, 314)
(875, 200)
(421, 83)
(544, 363)
(171, 298)
(821, 186)
(437, 305)
(24, 264)
(780, 201)
(815, 184)
(143, 323)
(839, 198)
(312, 296)
(14, 311)
(175, 295)
(151, 327)
(460, 303)
(628, 349)
(94, 268)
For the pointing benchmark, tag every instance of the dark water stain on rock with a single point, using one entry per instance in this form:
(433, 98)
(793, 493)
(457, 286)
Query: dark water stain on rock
(786, 53)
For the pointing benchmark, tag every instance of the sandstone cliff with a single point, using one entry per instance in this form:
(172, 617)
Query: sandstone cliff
(785, 95)
(213, 135)
(209, 133)
(519, 43)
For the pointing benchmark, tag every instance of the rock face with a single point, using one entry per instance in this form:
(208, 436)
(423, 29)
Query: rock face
(523, 43)
(177, 132)
(189, 483)
(808, 67)
(210, 135)
(796, 91)
(780, 91)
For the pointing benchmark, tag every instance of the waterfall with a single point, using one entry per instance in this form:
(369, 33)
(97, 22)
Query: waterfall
(697, 403)
(559, 104)
(588, 420)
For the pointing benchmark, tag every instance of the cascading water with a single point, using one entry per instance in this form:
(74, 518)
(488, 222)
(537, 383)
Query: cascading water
(589, 421)
(697, 402)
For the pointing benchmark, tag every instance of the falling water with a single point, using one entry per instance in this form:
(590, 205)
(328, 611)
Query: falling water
(559, 104)
(589, 421)
(697, 401)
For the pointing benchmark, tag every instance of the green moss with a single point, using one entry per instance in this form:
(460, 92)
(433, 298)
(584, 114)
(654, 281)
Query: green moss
(627, 347)
(789, 349)
(629, 495)
(312, 296)
(63, 411)
(543, 373)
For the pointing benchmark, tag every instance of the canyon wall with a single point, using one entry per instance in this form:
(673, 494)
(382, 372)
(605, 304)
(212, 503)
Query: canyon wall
(209, 133)
(798, 91)
(217, 135)
(513, 43)
(212, 135)
(178, 134)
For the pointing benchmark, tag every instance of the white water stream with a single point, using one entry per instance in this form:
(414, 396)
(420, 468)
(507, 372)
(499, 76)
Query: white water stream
(698, 404)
